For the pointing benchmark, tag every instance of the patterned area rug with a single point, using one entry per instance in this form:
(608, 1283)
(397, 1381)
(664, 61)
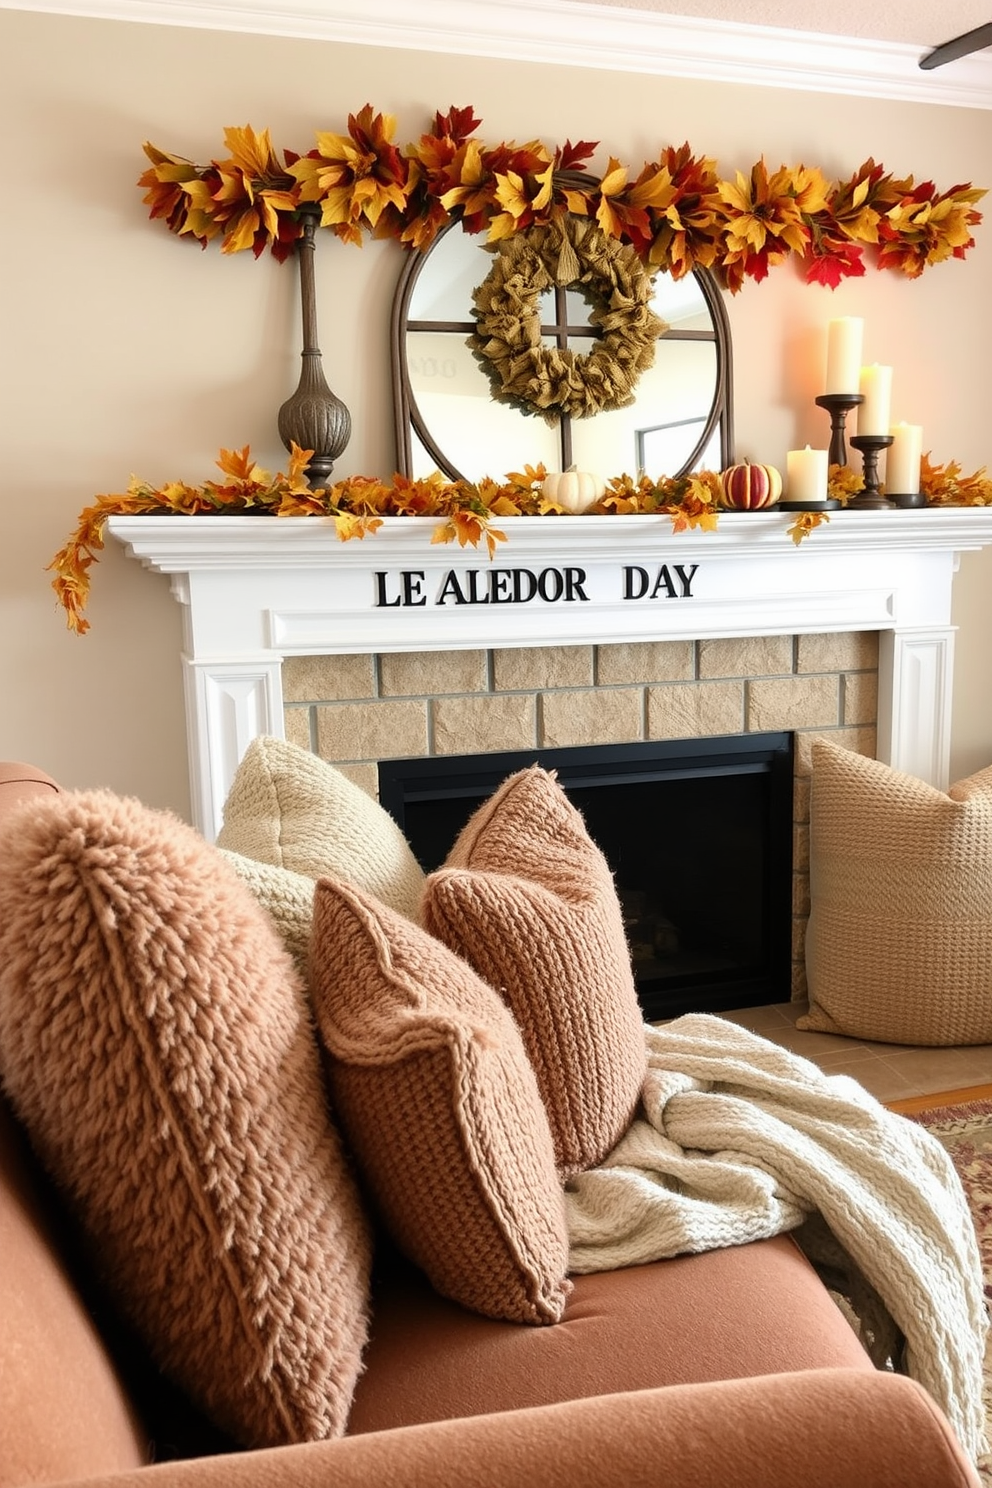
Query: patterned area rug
(966, 1132)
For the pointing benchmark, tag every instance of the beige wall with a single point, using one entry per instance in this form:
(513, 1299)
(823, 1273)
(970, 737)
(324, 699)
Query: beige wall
(125, 350)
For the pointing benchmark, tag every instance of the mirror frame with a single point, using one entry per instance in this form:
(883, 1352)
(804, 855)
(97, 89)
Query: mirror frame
(408, 419)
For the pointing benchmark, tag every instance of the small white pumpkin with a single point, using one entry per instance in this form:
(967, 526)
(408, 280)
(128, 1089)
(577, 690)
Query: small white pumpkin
(575, 491)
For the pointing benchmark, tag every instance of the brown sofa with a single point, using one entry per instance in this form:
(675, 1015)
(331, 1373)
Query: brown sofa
(732, 1367)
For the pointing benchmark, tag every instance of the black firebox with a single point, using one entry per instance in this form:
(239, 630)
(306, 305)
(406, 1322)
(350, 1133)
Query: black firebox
(698, 833)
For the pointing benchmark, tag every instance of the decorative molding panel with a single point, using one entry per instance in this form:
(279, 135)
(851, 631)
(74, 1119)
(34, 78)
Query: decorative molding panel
(563, 32)
(228, 704)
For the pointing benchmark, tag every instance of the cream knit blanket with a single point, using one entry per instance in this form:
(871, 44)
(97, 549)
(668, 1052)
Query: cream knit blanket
(737, 1139)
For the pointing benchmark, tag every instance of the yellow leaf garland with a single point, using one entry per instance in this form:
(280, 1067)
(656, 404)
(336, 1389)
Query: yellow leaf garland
(944, 485)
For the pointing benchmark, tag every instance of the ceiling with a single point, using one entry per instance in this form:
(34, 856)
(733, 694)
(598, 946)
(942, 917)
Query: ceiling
(916, 22)
(866, 48)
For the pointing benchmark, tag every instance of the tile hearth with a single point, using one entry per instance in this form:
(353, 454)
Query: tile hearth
(891, 1072)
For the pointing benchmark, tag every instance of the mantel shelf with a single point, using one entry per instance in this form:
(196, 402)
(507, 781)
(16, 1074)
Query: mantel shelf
(176, 544)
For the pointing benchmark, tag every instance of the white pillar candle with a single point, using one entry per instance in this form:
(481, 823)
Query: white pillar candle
(844, 339)
(876, 389)
(806, 474)
(902, 460)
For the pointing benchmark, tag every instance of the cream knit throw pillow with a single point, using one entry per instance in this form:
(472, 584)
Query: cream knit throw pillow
(287, 899)
(899, 942)
(290, 808)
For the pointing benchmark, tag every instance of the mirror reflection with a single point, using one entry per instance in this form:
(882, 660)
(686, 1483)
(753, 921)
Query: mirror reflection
(446, 418)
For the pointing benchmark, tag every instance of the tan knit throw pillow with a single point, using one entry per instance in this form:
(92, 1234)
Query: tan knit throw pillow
(155, 1040)
(290, 808)
(528, 899)
(432, 1085)
(899, 942)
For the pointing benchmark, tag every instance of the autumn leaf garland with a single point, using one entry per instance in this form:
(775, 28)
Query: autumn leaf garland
(359, 503)
(676, 212)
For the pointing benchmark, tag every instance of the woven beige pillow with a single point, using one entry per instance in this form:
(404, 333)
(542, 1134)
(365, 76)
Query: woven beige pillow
(528, 899)
(899, 941)
(290, 808)
(156, 1042)
(287, 899)
(432, 1085)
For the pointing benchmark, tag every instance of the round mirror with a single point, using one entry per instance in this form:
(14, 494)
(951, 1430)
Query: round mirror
(681, 418)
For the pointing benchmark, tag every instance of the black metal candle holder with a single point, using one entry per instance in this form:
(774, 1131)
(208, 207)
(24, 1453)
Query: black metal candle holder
(871, 498)
(906, 498)
(839, 406)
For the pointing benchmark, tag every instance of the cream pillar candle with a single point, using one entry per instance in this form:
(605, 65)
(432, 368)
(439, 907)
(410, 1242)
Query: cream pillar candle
(844, 339)
(902, 460)
(806, 475)
(876, 389)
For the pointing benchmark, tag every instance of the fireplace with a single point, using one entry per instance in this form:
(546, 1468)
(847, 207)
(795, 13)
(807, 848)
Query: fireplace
(265, 598)
(698, 833)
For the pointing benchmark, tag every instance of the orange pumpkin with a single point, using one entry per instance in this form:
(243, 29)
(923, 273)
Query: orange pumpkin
(749, 487)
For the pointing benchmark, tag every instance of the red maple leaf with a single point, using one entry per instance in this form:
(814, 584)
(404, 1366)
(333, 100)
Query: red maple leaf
(574, 157)
(829, 263)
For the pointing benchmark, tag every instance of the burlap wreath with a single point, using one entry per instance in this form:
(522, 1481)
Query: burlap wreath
(574, 253)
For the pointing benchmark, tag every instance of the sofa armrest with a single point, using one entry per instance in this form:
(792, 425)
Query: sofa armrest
(19, 782)
(821, 1429)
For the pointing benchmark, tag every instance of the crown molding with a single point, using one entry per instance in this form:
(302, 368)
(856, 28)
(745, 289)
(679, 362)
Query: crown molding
(578, 35)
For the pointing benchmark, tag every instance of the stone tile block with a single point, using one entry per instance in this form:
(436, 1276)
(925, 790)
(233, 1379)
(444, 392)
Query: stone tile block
(861, 740)
(799, 938)
(612, 715)
(800, 894)
(364, 775)
(859, 697)
(800, 847)
(322, 679)
(645, 661)
(531, 668)
(482, 725)
(838, 651)
(747, 656)
(372, 731)
(427, 673)
(793, 703)
(695, 711)
(804, 741)
(296, 722)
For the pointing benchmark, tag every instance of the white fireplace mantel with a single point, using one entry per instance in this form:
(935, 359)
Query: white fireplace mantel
(257, 589)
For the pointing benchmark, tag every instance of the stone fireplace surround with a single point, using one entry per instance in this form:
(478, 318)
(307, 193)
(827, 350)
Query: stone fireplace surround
(578, 630)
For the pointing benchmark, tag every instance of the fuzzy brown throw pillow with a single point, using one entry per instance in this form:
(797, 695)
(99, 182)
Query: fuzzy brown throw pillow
(528, 899)
(155, 1041)
(440, 1105)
